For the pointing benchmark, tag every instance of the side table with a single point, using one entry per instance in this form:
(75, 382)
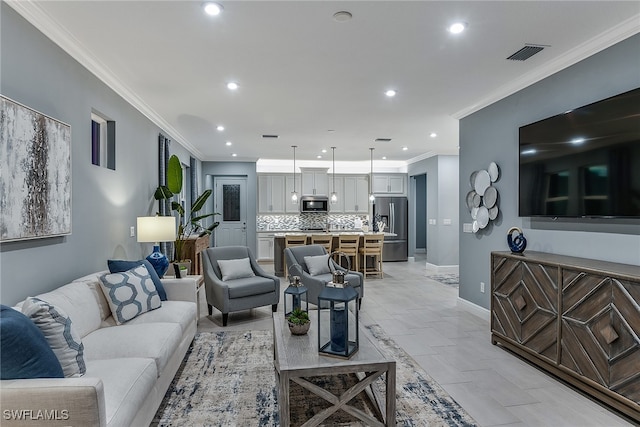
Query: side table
(199, 289)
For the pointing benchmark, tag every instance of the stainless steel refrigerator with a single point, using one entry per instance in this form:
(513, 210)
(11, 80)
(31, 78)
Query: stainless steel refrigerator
(393, 211)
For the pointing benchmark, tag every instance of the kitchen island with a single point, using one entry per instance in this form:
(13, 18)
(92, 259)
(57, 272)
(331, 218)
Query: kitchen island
(279, 245)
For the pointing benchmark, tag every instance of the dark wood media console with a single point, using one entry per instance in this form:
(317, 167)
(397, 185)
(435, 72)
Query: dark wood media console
(576, 318)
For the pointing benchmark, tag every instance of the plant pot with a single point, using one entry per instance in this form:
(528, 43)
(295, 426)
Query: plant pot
(299, 329)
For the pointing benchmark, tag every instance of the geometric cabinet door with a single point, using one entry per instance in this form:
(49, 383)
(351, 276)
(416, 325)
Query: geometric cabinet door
(600, 330)
(525, 304)
(576, 318)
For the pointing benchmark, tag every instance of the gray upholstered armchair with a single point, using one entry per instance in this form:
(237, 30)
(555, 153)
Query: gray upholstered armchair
(295, 258)
(232, 283)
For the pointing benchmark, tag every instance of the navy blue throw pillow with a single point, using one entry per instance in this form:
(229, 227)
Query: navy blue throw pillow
(24, 351)
(119, 266)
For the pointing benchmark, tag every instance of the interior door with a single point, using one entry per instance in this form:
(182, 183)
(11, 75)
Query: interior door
(231, 203)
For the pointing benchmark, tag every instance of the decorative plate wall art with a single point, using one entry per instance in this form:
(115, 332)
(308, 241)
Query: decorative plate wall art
(482, 200)
(35, 177)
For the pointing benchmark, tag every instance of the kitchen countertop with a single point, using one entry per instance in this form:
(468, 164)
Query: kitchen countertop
(332, 233)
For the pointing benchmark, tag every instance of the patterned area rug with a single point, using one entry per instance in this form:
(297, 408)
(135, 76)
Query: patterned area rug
(451, 279)
(228, 379)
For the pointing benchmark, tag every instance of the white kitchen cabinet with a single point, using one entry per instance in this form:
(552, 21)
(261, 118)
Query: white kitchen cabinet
(314, 182)
(356, 194)
(271, 194)
(265, 246)
(290, 207)
(390, 184)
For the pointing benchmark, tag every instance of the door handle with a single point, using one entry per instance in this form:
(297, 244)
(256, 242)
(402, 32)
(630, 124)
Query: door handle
(392, 226)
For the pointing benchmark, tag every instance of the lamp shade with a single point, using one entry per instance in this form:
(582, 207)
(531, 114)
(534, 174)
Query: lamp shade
(156, 228)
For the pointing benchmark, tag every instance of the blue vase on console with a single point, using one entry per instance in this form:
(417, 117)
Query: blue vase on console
(518, 243)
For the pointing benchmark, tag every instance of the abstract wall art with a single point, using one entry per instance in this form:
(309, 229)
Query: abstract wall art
(35, 174)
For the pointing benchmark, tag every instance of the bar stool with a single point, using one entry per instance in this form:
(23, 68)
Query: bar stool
(348, 244)
(372, 246)
(291, 240)
(322, 240)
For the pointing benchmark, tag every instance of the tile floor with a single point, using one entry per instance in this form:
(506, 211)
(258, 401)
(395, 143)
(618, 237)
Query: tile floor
(451, 341)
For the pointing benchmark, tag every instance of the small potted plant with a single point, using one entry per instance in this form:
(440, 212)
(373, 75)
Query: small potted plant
(183, 271)
(298, 322)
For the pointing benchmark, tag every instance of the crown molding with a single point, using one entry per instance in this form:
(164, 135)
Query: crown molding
(37, 17)
(600, 42)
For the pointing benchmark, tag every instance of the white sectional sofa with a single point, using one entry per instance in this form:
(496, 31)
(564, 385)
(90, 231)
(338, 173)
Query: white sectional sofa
(129, 367)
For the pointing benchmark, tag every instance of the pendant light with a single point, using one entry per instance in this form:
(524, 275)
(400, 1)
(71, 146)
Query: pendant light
(334, 196)
(294, 194)
(372, 198)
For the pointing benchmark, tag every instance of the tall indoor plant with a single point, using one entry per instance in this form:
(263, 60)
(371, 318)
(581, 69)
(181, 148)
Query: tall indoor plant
(192, 224)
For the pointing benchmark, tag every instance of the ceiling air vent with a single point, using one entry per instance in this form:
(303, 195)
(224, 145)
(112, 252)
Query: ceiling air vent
(383, 140)
(270, 136)
(526, 52)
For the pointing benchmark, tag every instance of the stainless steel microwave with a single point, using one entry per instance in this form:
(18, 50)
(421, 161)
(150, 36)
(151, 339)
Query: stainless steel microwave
(314, 204)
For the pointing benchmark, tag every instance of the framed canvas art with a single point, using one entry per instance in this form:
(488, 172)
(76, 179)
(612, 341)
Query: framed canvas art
(35, 174)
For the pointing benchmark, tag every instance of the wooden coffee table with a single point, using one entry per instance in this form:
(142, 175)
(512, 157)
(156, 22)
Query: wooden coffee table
(296, 356)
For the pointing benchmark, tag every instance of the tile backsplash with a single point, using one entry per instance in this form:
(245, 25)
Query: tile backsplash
(310, 220)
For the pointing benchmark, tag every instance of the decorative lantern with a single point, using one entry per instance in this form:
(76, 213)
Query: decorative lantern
(338, 318)
(294, 295)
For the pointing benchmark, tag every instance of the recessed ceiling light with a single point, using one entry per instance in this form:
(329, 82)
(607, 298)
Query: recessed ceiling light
(318, 156)
(220, 128)
(433, 134)
(384, 157)
(391, 93)
(228, 143)
(331, 130)
(234, 155)
(324, 150)
(457, 27)
(212, 8)
(232, 85)
(405, 148)
(342, 16)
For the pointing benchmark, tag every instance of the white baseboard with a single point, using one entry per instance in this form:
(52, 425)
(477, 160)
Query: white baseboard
(475, 309)
(442, 268)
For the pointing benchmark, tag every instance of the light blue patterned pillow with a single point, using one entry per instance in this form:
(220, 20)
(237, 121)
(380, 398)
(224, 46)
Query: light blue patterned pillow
(130, 293)
(57, 328)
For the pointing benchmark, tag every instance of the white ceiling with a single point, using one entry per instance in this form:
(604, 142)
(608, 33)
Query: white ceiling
(302, 74)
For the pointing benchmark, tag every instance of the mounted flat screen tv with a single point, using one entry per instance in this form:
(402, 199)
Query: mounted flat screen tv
(584, 162)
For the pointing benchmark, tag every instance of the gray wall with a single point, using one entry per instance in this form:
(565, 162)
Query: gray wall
(210, 170)
(491, 134)
(442, 203)
(105, 203)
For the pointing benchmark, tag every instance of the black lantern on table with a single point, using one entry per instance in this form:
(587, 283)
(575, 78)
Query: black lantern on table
(338, 317)
(295, 296)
